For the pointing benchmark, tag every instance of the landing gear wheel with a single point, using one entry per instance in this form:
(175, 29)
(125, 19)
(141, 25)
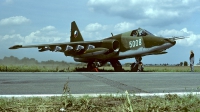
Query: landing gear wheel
(138, 65)
(134, 67)
(92, 67)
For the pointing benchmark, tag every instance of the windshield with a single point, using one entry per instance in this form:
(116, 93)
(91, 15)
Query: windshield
(143, 32)
(140, 32)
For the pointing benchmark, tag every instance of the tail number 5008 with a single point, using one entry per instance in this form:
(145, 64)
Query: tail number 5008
(135, 43)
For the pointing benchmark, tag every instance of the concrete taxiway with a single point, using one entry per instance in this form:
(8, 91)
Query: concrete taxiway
(101, 82)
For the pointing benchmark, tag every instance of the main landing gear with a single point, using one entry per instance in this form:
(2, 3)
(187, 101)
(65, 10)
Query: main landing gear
(135, 67)
(93, 66)
(116, 65)
(138, 65)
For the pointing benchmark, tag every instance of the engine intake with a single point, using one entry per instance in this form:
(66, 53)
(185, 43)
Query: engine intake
(111, 45)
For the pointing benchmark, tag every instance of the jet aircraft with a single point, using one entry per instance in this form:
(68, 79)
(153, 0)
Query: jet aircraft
(132, 44)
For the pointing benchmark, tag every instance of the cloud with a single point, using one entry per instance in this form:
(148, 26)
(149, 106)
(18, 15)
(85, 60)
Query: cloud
(48, 34)
(12, 36)
(191, 40)
(95, 27)
(123, 26)
(87, 35)
(48, 28)
(8, 1)
(94, 31)
(16, 20)
(8, 40)
(147, 12)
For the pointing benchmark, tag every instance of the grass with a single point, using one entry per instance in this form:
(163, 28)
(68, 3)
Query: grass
(34, 68)
(157, 68)
(170, 68)
(101, 103)
(75, 68)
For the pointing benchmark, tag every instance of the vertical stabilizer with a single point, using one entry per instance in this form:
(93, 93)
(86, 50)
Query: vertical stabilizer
(75, 33)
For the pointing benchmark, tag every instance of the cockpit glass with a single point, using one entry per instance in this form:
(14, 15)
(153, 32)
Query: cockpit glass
(140, 32)
(148, 32)
(143, 32)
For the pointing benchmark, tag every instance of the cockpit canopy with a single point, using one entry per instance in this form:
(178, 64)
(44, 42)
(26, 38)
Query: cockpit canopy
(140, 32)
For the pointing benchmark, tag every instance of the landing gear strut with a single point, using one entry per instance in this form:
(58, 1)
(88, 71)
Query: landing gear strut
(138, 65)
(116, 65)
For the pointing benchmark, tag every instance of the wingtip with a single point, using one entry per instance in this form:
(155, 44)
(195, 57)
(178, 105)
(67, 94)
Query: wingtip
(15, 47)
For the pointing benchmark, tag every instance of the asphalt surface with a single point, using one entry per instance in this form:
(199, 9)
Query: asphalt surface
(100, 83)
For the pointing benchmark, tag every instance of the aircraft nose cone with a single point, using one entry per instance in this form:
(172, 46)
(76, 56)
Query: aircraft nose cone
(171, 41)
(174, 43)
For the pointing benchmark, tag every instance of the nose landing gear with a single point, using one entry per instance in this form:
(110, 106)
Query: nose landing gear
(138, 65)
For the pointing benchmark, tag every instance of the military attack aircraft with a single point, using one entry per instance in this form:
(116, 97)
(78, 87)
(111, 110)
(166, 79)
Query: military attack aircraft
(132, 44)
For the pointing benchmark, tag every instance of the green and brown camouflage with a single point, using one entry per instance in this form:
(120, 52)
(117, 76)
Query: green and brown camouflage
(75, 33)
(134, 43)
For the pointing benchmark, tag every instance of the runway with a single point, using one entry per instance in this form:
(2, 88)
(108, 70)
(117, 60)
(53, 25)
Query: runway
(13, 83)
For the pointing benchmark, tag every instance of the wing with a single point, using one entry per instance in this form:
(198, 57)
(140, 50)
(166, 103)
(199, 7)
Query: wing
(57, 47)
(83, 49)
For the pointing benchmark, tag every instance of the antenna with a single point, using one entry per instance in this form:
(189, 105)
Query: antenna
(180, 37)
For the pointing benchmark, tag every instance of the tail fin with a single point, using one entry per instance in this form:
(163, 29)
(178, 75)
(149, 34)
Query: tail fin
(75, 33)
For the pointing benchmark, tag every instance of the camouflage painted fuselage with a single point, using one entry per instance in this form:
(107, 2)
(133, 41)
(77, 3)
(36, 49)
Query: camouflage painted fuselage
(130, 46)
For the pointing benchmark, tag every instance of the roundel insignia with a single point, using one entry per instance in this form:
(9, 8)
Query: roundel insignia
(75, 34)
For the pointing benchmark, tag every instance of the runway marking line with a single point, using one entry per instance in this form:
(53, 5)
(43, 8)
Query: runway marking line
(113, 94)
(113, 83)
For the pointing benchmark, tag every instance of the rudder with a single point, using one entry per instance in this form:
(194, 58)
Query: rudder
(75, 33)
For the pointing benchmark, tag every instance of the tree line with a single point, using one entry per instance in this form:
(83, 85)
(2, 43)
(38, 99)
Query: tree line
(184, 63)
(25, 60)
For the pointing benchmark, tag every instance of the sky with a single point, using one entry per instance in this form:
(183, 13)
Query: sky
(30, 22)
